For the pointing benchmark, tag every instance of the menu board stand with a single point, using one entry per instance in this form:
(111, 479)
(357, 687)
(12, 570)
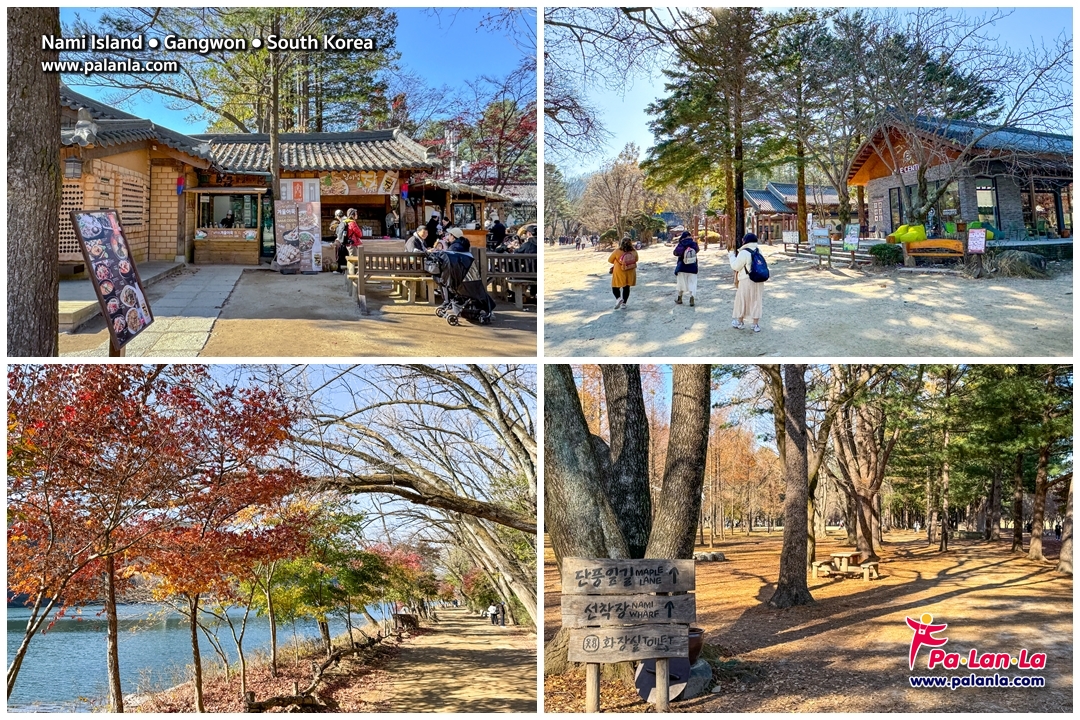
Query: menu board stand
(114, 276)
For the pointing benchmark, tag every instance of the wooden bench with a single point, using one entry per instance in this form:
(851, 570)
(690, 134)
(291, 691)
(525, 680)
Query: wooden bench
(936, 247)
(511, 274)
(400, 268)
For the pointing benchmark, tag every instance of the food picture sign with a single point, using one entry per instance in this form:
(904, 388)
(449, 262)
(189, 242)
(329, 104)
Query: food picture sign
(114, 275)
(363, 182)
(297, 237)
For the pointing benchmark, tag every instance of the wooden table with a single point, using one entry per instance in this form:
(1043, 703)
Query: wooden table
(842, 560)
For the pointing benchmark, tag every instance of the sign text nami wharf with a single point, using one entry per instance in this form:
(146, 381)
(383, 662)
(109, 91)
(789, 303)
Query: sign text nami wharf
(619, 610)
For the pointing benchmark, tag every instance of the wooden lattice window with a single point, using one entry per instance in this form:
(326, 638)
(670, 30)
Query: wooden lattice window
(132, 203)
(72, 199)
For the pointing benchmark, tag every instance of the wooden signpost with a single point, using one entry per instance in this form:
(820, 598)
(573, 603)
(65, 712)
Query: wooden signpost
(619, 610)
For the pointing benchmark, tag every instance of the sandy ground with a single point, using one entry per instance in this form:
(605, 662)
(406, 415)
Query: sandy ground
(466, 665)
(269, 314)
(848, 652)
(808, 312)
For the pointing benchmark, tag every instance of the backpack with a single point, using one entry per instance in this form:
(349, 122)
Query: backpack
(628, 261)
(354, 236)
(759, 269)
(689, 256)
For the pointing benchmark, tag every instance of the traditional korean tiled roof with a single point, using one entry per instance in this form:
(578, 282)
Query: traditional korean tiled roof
(322, 152)
(462, 189)
(98, 110)
(764, 201)
(818, 194)
(106, 133)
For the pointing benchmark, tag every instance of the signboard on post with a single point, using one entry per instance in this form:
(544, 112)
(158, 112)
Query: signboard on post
(851, 237)
(113, 273)
(619, 610)
(791, 237)
(977, 241)
(822, 242)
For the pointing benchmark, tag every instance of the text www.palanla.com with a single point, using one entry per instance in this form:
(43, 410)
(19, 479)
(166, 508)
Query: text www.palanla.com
(953, 682)
(92, 67)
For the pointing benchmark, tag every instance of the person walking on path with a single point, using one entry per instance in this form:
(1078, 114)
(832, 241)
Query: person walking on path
(686, 268)
(623, 271)
(493, 613)
(747, 292)
(502, 614)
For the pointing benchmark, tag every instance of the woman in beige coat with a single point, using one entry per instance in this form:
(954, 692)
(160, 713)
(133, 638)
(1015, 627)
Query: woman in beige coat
(747, 292)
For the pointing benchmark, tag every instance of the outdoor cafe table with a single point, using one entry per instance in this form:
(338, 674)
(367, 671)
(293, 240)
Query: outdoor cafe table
(842, 559)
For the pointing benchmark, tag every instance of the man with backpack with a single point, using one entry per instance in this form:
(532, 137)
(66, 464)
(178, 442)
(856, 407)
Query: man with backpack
(686, 267)
(751, 272)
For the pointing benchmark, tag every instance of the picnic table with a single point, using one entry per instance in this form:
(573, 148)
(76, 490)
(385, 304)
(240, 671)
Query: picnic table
(842, 560)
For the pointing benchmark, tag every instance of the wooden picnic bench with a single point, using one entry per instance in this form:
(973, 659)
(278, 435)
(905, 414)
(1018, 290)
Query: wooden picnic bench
(511, 274)
(403, 269)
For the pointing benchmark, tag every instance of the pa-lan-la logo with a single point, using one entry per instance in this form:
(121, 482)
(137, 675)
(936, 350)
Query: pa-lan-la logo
(923, 634)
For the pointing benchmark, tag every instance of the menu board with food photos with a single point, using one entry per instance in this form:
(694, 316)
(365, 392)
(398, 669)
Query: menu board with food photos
(298, 237)
(113, 273)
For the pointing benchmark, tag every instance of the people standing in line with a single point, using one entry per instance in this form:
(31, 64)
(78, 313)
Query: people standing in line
(623, 271)
(686, 268)
(747, 292)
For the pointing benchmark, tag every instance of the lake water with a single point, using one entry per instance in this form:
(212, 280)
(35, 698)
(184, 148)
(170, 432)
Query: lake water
(64, 669)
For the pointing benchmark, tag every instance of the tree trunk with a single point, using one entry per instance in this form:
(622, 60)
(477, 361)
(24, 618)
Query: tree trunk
(324, 633)
(34, 178)
(112, 652)
(791, 587)
(1065, 556)
(684, 470)
(944, 544)
(800, 189)
(1018, 505)
(578, 515)
(1038, 506)
(627, 486)
(993, 521)
(272, 617)
(196, 657)
(740, 206)
(275, 112)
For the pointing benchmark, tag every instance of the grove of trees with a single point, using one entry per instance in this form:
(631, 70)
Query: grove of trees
(755, 94)
(796, 448)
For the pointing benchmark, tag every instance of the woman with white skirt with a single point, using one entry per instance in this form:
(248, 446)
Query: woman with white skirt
(747, 292)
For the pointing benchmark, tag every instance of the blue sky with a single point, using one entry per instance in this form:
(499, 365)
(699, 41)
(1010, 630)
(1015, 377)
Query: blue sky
(444, 46)
(625, 117)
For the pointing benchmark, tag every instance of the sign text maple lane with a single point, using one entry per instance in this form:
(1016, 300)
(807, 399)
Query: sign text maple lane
(584, 576)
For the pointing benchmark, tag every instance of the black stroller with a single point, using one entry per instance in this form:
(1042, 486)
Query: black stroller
(464, 295)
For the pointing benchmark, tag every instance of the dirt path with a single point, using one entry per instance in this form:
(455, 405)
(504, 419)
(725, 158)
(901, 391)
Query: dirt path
(466, 665)
(848, 652)
(839, 312)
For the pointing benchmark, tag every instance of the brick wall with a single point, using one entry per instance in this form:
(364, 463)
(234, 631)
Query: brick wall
(164, 209)
(103, 187)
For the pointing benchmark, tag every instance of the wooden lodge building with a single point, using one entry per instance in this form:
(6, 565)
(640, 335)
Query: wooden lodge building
(1018, 181)
(774, 208)
(173, 190)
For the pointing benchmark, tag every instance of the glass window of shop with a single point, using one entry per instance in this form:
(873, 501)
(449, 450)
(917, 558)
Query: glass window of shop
(214, 209)
(947, 206)
(986, 199)
(464, 213)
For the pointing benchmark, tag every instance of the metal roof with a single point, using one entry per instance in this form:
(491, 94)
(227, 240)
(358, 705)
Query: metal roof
(322, 152)
(1007, 138)
(765, 202)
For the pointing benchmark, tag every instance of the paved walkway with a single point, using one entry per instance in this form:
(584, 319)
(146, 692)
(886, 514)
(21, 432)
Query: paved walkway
(183, 318)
